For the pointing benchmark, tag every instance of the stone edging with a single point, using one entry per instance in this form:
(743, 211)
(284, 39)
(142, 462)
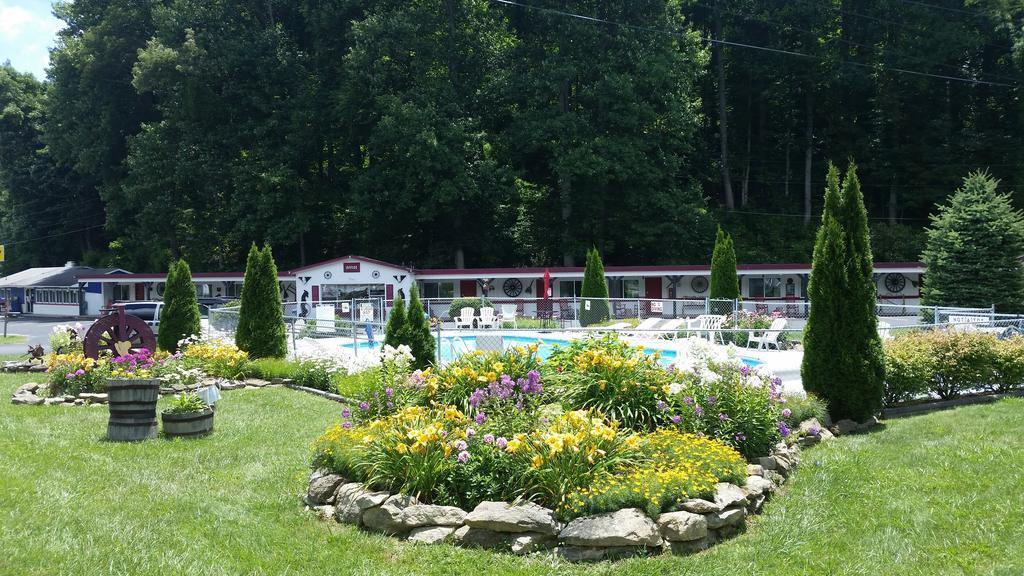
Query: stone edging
(526, 528)
(27, 393)
(23, 366)
(922, 407)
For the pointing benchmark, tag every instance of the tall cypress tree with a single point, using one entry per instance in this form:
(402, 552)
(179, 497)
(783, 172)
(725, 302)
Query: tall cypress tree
(725, 282)
(417, 331)
(842, 360)
(394, 331)
(179, 316)
(594, 292)
(260, 329)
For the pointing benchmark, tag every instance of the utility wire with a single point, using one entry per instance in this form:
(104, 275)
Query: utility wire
(749, 46)
(65, 233)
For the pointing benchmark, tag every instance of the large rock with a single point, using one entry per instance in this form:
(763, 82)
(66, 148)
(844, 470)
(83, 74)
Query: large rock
(325, 512)
(626, 527)
(845, 426)
(699, 506)
(755, 470)
(428, 515)
(27, 399)
(322, 489)
(430, 534)
(471, 537)
(678, 526)
(766, 462)
(27, 387)
(505, 517)
(94, 397)
(727, 495)
(54, 400)
(757, 485)
(689, 546)
(387, 517)
(727, 517)
(351, 499)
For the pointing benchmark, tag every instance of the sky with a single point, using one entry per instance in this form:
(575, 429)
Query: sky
(27, 31)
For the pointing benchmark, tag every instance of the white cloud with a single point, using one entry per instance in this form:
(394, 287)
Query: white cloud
(14, 20)
(27, 31)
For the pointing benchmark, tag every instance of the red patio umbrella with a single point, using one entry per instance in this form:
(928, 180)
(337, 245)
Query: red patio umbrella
(547, 283)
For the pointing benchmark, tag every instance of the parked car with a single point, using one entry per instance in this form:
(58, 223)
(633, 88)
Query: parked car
(149, 312)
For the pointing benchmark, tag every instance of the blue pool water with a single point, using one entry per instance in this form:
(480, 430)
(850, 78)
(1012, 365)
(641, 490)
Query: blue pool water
(451, 348)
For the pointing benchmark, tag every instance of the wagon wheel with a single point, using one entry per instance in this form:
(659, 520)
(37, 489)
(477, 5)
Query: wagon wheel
(119, 333)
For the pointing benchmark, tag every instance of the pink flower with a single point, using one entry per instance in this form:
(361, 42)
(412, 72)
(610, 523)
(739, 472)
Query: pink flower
(470, 432)
(460, 445)
(501, 443)
(463, 457)
(488, 438)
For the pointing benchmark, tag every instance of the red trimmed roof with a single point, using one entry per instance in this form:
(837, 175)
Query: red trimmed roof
(527, 271)
(351, 257)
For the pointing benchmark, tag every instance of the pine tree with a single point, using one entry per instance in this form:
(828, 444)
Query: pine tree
(725, 282)
(179, 316)
(973, 248)
(394, 332)
(594, 292)
(842, 360)
(417, 331)
(260, 329)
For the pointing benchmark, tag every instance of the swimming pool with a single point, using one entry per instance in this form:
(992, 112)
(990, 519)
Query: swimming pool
(454, 346)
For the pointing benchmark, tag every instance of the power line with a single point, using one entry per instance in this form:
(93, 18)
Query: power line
(750, 46)
(818, 215)
(944, 8)
(54, 235)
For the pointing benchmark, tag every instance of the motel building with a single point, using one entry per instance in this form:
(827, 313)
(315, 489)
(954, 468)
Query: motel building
(356, 282)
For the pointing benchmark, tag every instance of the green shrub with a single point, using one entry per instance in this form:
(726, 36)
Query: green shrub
(749, 320)
(948, 363)
(725, 283)
(594, 291)
(179, 316)
(315, 373)
(1009, 369)
(455, 383)
(270, 368)
(803, 408)
(260, 330)
(394, 332)
(73, 373)
(417, 332)
(909, 367)
(185, 403)
(455, 308)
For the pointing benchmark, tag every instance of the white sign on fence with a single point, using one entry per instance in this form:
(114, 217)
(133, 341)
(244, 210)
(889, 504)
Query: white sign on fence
(586, 304)
(324, 314)
(366, 312)
(346, 308)
(657, 306)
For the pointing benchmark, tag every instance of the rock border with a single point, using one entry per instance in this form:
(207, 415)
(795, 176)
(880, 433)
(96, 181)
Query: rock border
(524, 528)
(29, 393)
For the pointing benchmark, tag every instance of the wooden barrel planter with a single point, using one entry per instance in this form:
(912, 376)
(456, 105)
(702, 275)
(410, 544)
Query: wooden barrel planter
(132, 406)
(187, 424)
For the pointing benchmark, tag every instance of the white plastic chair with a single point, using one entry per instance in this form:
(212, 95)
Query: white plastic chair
(508, 315)
(486, 319)
(465, 318)
(769, 337)
(709, 324)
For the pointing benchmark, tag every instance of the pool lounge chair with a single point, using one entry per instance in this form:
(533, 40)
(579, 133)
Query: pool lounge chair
(769, 337)
(670, 329)
(507, 316)
(643, 328)
(707, 324)
(465, 318)
(487, 318)
(616, 327)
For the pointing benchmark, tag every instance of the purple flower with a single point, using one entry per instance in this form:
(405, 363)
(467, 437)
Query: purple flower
(723, 417)
(390, 405)
(79, 372)
(463, 457)
(460, 445)
(814, 431)
(688, 400)
(346, 424)
(741, 437)
(745, 370)
(480, 418)
(477, 397)
(346, 413)
(783, 429)
(69, 375)
(364, 406)
(488, 438)
(501, 443)
(676, 418)
(786, 412)
(389, 392)
(698, 410)
(470, 432)
(661, 406)
(711, 400)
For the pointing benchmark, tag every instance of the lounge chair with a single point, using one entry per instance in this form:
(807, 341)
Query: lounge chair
(769, 337)
(487, 318)
(644, 327)
(465, 318)
(618, 326)
(670, 328)
(707, 323)
(507, 316)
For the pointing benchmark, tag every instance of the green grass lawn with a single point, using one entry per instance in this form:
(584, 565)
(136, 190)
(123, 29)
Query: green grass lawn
(935, 494)
(13, 339)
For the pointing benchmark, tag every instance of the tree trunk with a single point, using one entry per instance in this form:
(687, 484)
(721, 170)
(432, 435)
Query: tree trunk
(807, 157)
(723, 124)
(564, 191)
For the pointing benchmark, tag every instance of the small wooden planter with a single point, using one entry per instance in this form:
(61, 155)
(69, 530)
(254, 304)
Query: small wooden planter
(132, 406)
(187, 424)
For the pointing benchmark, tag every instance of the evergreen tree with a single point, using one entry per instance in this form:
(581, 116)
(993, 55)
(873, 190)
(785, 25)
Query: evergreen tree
(594, 292)
(973, 250)
(260, 329)
(842, 360)
(725, 283)
(417, 331)
(179, 316)
(394, 332)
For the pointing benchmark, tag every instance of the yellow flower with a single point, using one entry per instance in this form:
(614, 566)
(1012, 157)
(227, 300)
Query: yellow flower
(536, 461)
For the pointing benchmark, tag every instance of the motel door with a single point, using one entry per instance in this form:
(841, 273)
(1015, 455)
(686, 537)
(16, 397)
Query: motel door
(467, 288)
(652, 291)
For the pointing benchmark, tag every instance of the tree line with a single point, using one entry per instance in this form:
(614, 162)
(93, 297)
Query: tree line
(480, 133)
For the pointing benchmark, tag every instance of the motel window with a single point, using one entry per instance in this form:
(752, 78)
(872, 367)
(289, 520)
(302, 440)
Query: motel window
(630, 288)
(569, 288)
(56, 296)
(438, 289)
(764, 287)
(122, 292)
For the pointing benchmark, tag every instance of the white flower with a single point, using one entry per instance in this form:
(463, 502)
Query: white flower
(675, 388)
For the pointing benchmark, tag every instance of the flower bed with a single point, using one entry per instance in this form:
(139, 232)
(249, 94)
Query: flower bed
(598, 429)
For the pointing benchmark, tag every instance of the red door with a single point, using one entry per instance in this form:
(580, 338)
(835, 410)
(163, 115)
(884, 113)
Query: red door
(140, 291)
(652, 287)
(467, 288)
(316, 294)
